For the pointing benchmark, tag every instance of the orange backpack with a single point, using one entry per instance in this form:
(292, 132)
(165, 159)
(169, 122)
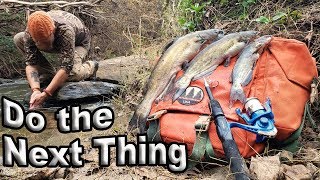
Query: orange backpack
(283, 73)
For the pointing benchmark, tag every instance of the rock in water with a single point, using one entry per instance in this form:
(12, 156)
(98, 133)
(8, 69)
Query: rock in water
(77, 90)
(266, 168)
(4, 81)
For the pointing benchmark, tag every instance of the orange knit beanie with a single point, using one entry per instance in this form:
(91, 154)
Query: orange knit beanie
(40, 26)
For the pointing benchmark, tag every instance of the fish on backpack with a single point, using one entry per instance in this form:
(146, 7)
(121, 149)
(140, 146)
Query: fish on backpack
(171, 61)
(242, 71)
(209, 59)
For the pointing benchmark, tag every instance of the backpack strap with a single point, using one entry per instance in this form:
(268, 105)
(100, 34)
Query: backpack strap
(307, 115)
(153, 131)
(202, 147)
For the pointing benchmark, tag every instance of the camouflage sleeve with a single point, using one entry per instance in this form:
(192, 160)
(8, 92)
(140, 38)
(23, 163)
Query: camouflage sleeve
(67, 47)
(86, 40)
(31, 50)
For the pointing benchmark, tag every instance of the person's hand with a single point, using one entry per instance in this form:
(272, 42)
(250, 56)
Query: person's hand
(33, 96)
(37, 99)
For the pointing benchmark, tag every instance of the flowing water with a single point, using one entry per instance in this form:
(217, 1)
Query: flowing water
(50, 136)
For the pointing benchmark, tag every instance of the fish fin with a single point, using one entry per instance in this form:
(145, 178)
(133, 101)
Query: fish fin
(236, 93)
(201, 39)
(230, 78)
(207, 42)
(145, 88)
(204, 73)
(227, 62)
(173, 88)
(138, 121)
(178, 93)
(235, 49)
(168, 44)
(180, 87)
(247, 80)
(185, 66)
(254, 65)
(164, 92)
(256, 57)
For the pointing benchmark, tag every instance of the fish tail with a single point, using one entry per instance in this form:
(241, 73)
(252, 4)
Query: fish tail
(138, 120)
(133, 122)
(237, 93)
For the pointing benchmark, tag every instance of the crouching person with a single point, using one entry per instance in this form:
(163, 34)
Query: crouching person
(54, 32)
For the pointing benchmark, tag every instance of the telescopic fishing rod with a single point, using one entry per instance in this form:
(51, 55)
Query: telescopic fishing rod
(237, 164)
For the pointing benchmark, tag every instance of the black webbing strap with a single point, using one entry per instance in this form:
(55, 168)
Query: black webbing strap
(154, 131)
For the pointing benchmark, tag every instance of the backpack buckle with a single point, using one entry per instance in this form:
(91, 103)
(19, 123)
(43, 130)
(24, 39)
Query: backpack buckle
(156, 115)
(203, 123)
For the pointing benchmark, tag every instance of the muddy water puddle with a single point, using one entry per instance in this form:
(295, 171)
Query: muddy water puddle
(50, 136)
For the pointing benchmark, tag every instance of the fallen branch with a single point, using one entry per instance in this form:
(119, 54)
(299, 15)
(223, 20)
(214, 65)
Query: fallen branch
(60, 4)
(83, 8)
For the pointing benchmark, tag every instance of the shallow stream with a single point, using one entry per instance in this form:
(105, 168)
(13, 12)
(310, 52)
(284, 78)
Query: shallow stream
(50, 136)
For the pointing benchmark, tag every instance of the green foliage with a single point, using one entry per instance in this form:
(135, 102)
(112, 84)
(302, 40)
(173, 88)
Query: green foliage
(263, 20)
(11, 17)
(10, 57)
(192, 13)
(295, 15)
(280, 17)
(6, 44)
(245, 4)
(223, 2)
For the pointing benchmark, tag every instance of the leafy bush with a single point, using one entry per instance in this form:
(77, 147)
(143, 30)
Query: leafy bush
(192, 13)
(245, 6)
(6, 44)
(280, 17)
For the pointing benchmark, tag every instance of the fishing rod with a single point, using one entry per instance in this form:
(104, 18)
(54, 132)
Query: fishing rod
(230, 148)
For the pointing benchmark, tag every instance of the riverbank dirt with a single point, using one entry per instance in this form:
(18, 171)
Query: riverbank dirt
(143, 27)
